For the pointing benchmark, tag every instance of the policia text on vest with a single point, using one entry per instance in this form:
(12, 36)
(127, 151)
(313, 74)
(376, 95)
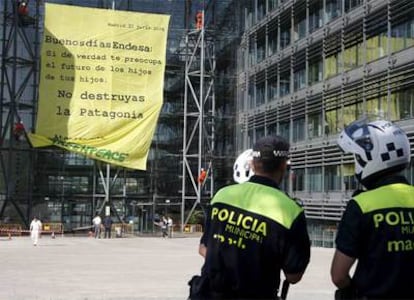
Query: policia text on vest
(254, 231)
(392, 210)
(241, 225)
(377, 230)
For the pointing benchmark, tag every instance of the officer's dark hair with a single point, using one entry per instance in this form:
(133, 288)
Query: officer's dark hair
(270, 152)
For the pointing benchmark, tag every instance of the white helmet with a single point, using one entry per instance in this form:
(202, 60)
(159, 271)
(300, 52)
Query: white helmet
(378, 147)
(242, 170)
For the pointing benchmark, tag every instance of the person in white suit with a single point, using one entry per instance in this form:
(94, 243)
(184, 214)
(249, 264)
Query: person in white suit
(35, 230)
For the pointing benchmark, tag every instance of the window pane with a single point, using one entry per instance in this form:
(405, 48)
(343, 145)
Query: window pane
(300, 79)
(284, 36)
(377, 107)
(272, 4)
(353, 57)
(272, 88)
(250, 96)
(315, 16)
(349, 177)
(272, 129)
(261, 49)
(351, 4)
(260, 132)
(401, 105)
(406, 104)
(298, 179)
(315, 72)
(272, 42)
(284, 129)
(261, 9)
(250, 137)
(402, 35)
(332, 65)
(412, 172)
(74, 159)
(332, 178)
(376, 46)
(397, 38)
(260, 93)
(300, 28)
(284, 84)
(249, 15)
(351, 113)
(410, 36)
(333, 9)
(332, 125)
(315, 125)
(298, 130)
(314, 181)
(252, 57)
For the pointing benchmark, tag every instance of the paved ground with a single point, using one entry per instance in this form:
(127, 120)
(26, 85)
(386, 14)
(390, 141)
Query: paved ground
(135, 268)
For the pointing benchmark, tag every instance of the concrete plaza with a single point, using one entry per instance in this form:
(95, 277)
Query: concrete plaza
(130, 268)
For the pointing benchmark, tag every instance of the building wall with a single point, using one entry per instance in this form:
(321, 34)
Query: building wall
(306, 68)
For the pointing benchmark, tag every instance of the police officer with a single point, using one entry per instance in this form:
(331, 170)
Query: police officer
(377, 228)
(242, 171)
(254, 231)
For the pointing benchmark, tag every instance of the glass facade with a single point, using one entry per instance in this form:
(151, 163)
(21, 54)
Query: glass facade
(315, 88)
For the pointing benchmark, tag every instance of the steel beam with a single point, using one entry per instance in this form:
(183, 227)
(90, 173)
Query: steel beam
(199, 113)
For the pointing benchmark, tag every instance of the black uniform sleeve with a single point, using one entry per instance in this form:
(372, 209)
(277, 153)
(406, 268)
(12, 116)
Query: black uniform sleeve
(204, 237)
(348, 239)
(297, 247)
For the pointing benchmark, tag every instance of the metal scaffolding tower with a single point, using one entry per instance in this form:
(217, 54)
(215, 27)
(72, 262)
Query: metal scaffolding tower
(199, 113)
(18, 92)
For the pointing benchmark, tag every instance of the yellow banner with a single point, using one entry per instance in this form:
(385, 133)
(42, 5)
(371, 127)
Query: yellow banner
(101, 85)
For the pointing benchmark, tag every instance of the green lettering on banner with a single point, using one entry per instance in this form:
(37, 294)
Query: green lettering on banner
(88, 150)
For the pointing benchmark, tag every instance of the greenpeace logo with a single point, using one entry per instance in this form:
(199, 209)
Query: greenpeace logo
(89, 150)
